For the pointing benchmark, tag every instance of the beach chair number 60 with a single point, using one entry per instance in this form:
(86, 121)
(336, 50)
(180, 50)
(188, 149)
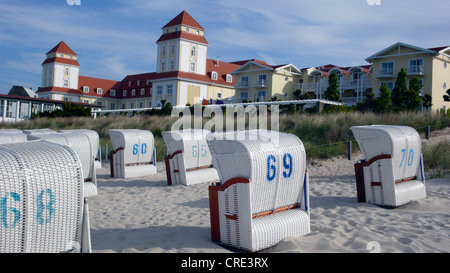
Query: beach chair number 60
(40, 210)
(272, 169)
(143, 149)
(202, 150)
(410, 157)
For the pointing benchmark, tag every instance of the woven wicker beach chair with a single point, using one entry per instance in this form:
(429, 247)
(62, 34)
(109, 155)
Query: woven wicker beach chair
(392, 172)
(262, 196)
(188, 159)
(134, 153)
(10, 137)
(83, 147)
(95, 139)
(41, 199)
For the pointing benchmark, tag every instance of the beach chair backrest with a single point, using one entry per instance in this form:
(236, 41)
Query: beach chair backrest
(39, 131)
(41, 198)
(192, 143)
(79, 142)
(138, 145)
(274, 162)
(10, 137)
(402, 143)
(93, 136)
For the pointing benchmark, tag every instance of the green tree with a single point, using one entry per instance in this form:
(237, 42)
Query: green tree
(382, 103)
(332, 92)
(412, 95)
(398, 93)
(427, 103)
(297, 93)
(447, 97)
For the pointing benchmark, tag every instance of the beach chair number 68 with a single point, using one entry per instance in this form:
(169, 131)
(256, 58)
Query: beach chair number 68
(410, 157)
(143, 149)
(272, 169)
(40, 211)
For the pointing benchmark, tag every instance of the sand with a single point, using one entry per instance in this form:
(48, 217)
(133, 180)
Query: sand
(147, 215)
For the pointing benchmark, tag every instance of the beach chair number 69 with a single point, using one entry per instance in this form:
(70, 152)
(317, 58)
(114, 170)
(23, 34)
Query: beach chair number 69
(272, 169)
(143, 149)
(410, 157)
(40, 211)
(202, 150)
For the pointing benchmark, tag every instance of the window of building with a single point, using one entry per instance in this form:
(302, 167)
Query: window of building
(164, 51)
(133, 92)
(139, 82)
(261, 95)
(229, 78)
(163, 66)
(169, 89)
(66, 71)
(415, 66)
(124, 93)
(172, 65)
(112, 106)
(214, 75)
(112, 93)
(192, 67)
(99, 91)
(387, 68)
(142, 91)
(187, 29)
(219, 95)
(86, 101)
(193, 49)
(390, 85)
(129, 83)
(66, 99)
(149, 104)
(99, 103)
(86, 89)
(131, 105)
(262, 79)
(159, 90)
(66, 83)
(172, 49)
(244, 81)
(123, 105)
(244, 95)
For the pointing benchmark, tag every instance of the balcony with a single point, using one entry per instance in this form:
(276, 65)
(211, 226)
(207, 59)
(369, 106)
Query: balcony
(416, 70)
(260, 83)
(242, 85)
(385, 73)
(361, 83)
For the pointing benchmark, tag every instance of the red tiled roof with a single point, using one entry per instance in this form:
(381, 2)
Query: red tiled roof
(58, 89)
(184, 19)
(222, 69)
(94, 84)
(183, 35)
(45, 100)
(62, 47)
(61, 61)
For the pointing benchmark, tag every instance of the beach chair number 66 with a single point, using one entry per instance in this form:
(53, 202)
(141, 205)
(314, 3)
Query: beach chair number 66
(272, 169)
(143, 149)
(410, 157)
(202, 150)
(41, 208)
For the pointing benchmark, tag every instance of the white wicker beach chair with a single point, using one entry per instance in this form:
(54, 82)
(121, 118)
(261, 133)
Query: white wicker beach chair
(189, 160)
(392, 173)
(83, 147)
(134, 153)
(263, 195)
(10, 137)
(41, 199)
(95, 139)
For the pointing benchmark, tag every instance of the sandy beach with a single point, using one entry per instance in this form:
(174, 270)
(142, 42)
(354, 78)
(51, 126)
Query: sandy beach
(146, 215)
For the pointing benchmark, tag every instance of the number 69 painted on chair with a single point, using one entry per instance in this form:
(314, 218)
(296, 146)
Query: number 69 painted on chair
(272, 169)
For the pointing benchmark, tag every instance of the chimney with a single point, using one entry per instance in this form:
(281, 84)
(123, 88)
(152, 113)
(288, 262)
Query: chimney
(217, 63)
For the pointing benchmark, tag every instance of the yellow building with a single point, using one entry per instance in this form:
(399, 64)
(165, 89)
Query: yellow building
(259, 81)
(431, 65)
(353, 82)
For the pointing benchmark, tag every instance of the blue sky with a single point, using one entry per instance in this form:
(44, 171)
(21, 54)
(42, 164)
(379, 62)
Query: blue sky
(116, 38)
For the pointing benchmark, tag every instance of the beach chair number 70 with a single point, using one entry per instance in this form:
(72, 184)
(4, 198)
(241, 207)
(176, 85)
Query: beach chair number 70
(410, 157)
(272, 169)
